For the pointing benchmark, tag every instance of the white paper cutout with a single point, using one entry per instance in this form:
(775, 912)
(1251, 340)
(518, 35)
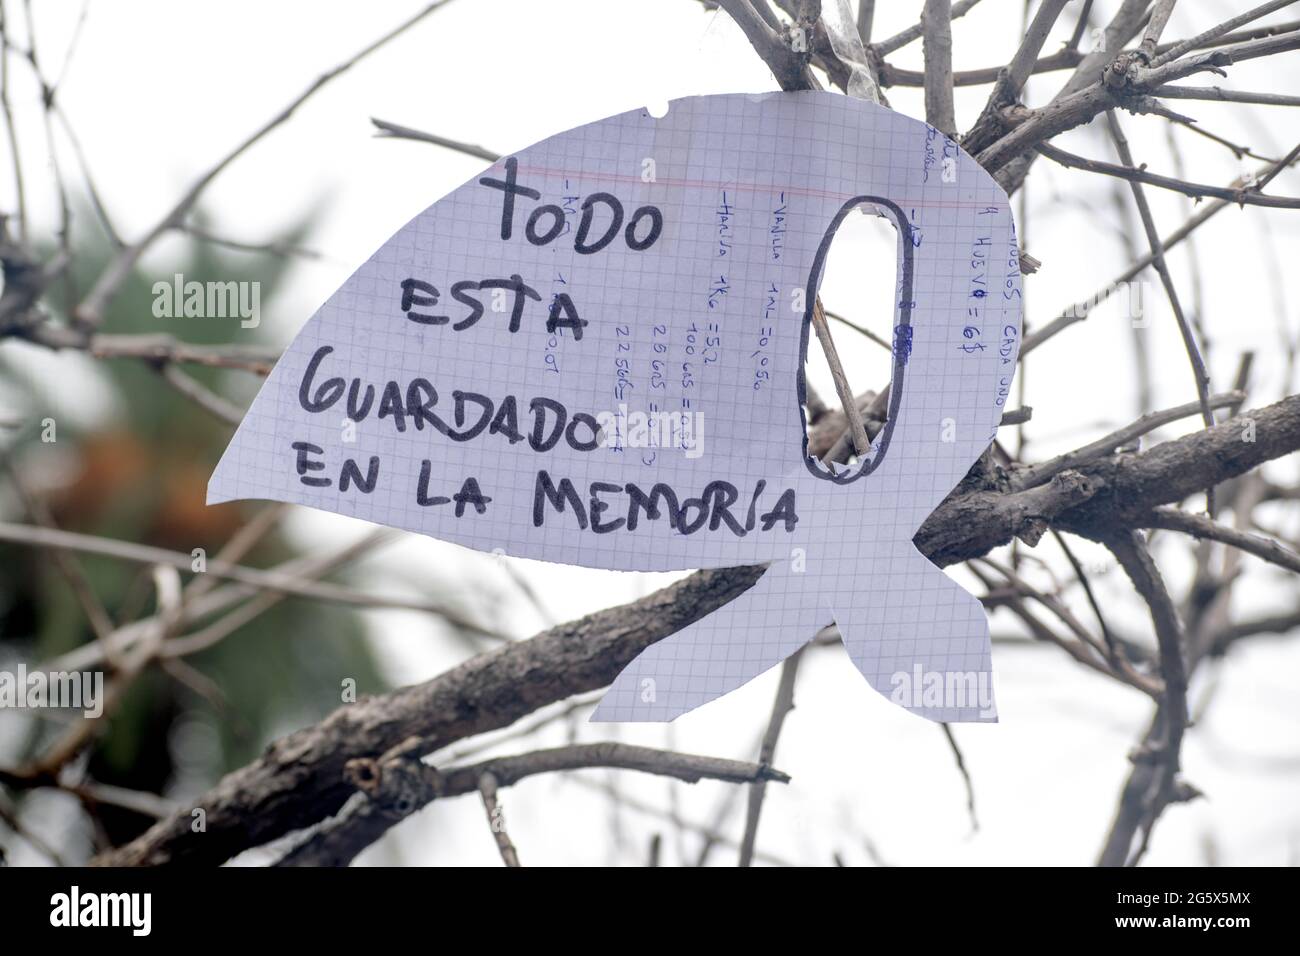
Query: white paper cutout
(710, 317)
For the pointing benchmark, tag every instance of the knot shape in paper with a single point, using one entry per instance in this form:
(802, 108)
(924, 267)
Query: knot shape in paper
(593, 353)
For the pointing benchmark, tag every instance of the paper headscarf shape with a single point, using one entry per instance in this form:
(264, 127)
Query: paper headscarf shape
(593, 353)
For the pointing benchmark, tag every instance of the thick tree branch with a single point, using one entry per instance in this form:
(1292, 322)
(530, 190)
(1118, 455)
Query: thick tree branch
(1011, 79)
(393, 787)
(1153, 783)
(300, 779)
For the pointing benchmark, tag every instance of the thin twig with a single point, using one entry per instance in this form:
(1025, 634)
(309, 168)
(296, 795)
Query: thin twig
(71, 569)
(487, 786)
(91, 310)
(396, 785)
(1202, 39)
(1042, 472)
(1081, 576)
(915, 31)
(168, 586)
(1240, 196)
(1081, 310)
(1080, 26)
(1201, 374)
(1083, 651)
(1127, 81)
(264, 580)
(1175, 92)
(936, 24)
(965, 775)
(10, 128)
(201, 395)
(389, 130)
(861, 330)
(1237, 149)
(781, 708)
(11, 819)
(861, 443)
(201, 606)
(1199, 526)
(276, 248)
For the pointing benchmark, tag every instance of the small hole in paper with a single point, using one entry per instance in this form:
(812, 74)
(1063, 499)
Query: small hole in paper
(857, 290)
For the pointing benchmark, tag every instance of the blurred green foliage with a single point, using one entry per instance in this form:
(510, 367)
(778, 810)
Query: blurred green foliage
(139, 474)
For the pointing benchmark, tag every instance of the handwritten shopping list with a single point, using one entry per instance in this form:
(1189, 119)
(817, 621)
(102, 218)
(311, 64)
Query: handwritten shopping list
(593, 353)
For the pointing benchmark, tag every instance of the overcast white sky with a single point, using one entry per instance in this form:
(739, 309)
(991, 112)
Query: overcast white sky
(158, 90)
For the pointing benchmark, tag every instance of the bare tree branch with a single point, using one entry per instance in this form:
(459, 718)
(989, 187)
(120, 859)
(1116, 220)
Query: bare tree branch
(300, 780)
(1159, 18)
(273, 581)
(916, 30)
(1153, 783)
(1202, 39)
(1081, 310)
(395, 786)
(1011, 80)
(781, 708)
(487, 787)
(1241, 196)
(1201, 527)
(91, 310)
(936, 25)
(1199, 371)
(394, 131)
(1037, 474)
(962, 769)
